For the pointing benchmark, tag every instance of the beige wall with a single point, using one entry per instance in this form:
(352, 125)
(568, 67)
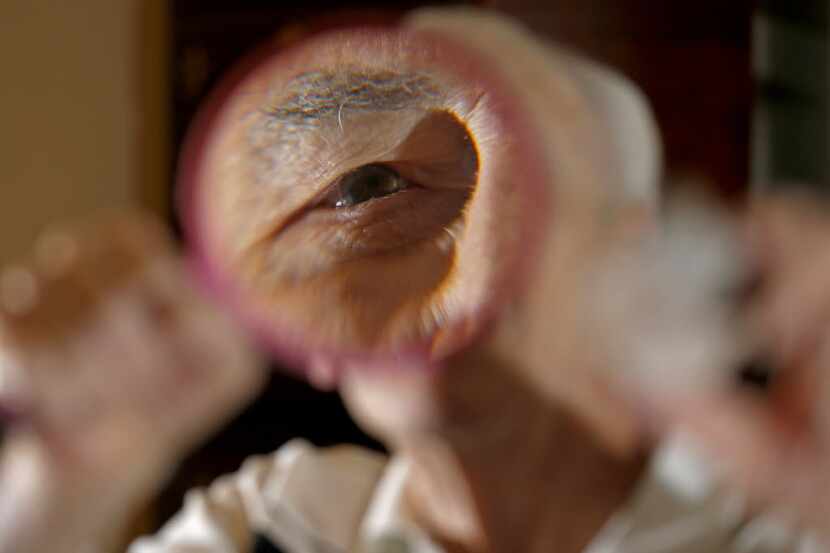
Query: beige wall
(72, 112)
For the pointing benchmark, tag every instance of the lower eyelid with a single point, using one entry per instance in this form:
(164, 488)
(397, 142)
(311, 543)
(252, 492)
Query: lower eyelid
(378, 226)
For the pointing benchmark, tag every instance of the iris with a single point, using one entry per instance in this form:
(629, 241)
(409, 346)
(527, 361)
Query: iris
(365, 183)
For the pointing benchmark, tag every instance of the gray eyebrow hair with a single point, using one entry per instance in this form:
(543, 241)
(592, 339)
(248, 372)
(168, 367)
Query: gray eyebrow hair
(320, 95)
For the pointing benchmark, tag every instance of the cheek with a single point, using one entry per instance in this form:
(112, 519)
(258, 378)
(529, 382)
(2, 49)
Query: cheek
(370, 303)
(371, 282)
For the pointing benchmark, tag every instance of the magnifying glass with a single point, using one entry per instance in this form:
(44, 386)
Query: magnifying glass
(378, 195)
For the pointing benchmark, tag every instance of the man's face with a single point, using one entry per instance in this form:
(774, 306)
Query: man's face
(389, 190)
(337, 180)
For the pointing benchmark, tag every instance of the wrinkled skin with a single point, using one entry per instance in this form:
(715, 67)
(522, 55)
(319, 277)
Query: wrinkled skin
(116, 366)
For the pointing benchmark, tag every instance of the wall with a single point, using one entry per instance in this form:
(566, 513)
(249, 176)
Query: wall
(791, 143)
(70, 122)
(692, 60)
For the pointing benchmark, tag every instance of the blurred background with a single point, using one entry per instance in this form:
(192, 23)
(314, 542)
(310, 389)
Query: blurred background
(97, 95)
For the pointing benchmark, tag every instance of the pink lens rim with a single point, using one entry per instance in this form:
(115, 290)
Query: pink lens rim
(290, 347)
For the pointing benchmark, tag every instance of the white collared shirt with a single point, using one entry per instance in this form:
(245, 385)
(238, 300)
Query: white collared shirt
(348, 499)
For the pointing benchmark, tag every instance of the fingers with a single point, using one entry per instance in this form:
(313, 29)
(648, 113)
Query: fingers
(789, 239)
(775, 447)
(47, 300)
(774, 465)
(72, 268)
(111, 339)
(19, 291)
(791, 312)
(778, 227)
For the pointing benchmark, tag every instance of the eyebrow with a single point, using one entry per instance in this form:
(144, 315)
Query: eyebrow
(314, 96)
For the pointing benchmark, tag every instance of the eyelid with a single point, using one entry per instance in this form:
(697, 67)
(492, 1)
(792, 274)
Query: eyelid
(316, 203)
(380, 225)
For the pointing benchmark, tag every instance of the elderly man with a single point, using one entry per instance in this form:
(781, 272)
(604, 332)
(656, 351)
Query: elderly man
(512, 438)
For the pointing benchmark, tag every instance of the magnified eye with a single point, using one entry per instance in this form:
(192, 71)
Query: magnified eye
(364, 184)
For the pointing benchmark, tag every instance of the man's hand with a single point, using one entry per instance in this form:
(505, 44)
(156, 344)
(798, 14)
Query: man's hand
(111, 367)
(775, 447)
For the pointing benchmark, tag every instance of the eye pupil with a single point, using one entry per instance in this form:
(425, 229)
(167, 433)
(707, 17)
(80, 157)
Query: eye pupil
(366, 183)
